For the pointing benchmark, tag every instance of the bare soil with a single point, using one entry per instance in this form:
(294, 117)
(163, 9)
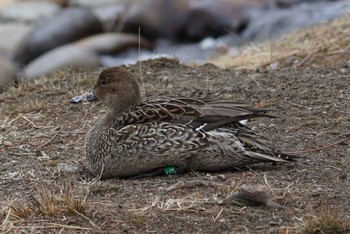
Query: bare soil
(40, 131)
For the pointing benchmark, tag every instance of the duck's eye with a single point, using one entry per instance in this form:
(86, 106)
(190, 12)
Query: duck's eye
(103, 82)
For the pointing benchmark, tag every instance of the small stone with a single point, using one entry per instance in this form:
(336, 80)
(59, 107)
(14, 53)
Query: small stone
(273, 66)
(343, 70)
(274, 223)
(165, 79)
(221, 177)
(316, 191)
(67, 168)
(13, 174)
(8, 143)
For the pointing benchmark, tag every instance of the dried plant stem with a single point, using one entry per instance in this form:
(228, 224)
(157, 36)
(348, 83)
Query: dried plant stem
(48, 142)
(319, 148)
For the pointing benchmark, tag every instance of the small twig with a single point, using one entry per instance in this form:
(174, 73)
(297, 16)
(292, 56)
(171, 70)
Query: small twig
(33, 124)
(189, 184)
(319, 148)
(307, 57)
(48, 142)
(90, 221)
(68, 227)
(298, 105)
(86, 113)
(267, 184)
(72, 133)
(222, 209)
(6, 218)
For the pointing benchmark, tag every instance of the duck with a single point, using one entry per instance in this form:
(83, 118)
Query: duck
(167, 135)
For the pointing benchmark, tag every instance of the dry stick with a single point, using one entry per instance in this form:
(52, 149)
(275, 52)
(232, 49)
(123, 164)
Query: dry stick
(53, 225)
(6, 218)
(45, 144)
(222, 209)
(304, 60)
(189, 184)
(319, 148)
(90, 221)
(267, 184)
(33, 124)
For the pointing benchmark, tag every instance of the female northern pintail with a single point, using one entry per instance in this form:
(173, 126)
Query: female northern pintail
(137, 137)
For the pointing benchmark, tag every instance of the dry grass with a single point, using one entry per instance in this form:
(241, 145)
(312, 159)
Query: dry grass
(326, 44)
(36, 199)
(190, 203)
(71, 200)
(21, 210)
(47, 203)
(327, 222)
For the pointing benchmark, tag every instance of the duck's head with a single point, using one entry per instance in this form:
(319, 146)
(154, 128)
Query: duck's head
(117, 88)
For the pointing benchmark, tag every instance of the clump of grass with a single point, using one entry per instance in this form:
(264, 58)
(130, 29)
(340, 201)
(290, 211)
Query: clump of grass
(21, 210)
(46, 203)
(72, 202)
(27, 103)
(67, 200)
(328, 222)
(138, 219)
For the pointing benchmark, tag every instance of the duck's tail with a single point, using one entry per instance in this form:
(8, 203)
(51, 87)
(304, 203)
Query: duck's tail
(270, 156)
(256, 146)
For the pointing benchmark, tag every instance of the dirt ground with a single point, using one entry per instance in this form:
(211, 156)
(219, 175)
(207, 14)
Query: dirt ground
(42, 137)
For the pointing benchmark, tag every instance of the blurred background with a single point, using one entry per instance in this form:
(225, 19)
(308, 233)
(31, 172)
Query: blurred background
(39, 37)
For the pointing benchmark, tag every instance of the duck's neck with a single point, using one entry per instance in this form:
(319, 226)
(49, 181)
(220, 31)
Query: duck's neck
(107, 120)
(111, 118)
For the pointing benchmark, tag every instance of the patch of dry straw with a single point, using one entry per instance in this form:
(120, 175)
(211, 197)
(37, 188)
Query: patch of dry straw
(325, 44)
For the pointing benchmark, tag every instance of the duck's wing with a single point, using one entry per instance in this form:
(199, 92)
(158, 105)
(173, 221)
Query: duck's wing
(205, 114)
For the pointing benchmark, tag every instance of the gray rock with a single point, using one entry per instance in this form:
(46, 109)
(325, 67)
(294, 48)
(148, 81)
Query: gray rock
(267, 24)
(157, 18)
(111, 16)
(11, 35)
(67, 56)
(93, 3)
(66, 27)
(112, 43)
(67, 168)
(28, 11)
(8, 74)
(216, 18)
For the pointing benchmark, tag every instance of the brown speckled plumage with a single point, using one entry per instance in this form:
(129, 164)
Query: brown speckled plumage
(136, 137)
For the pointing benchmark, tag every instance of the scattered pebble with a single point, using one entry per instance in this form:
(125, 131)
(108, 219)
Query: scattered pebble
(24, 148)
(67, 168)
(343, 70)
(221, 177)
(13, 174)
(273, 66)
(8, 143)
(316, 191)
(165, 79)
(343, 176)
(348, 63)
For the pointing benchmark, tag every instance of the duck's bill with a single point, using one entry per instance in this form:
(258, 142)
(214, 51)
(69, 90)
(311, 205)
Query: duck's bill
(89, 96)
